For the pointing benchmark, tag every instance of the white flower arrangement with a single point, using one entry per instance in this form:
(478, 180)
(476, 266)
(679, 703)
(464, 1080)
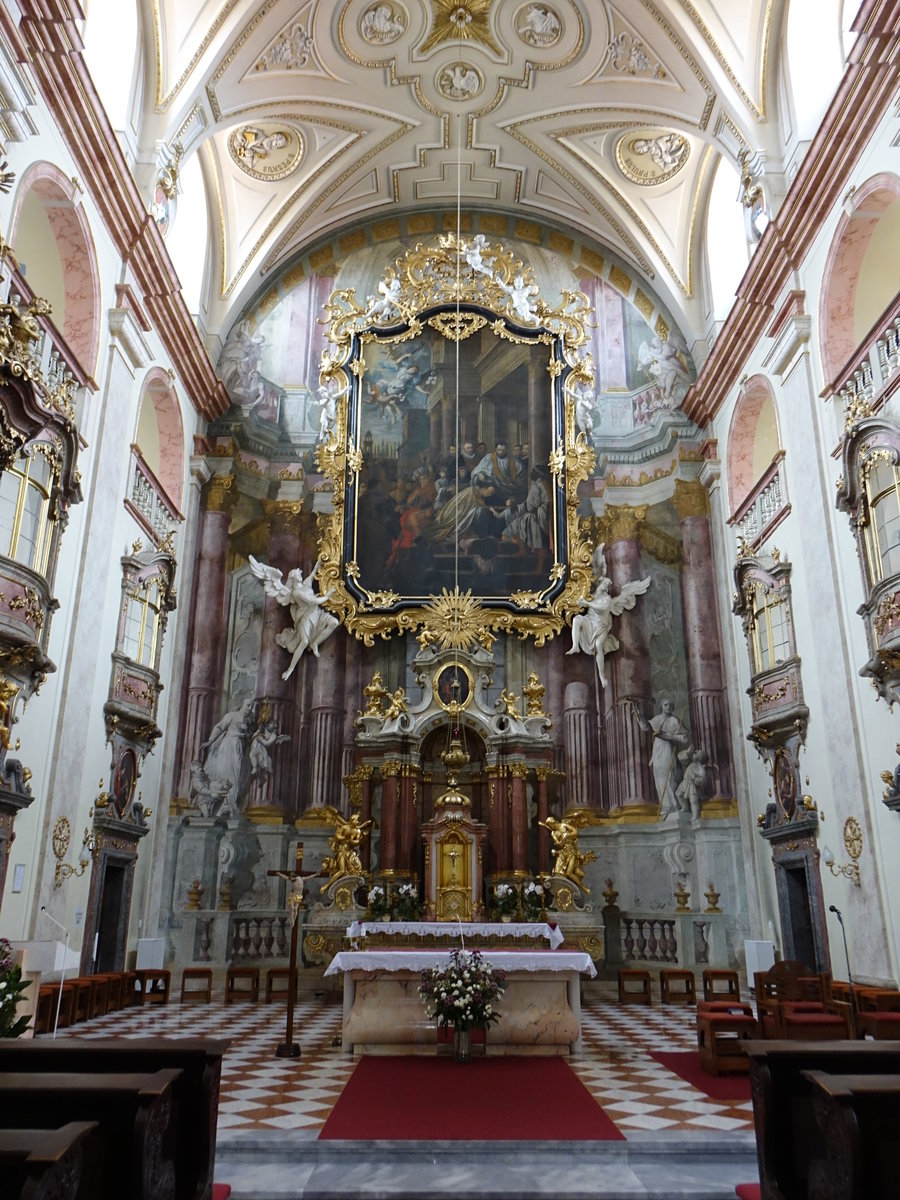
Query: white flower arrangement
(462, 992)
(379, 902)
(537, 895)
(505, 900)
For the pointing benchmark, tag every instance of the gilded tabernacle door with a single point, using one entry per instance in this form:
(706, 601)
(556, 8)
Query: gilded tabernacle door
(450, 443)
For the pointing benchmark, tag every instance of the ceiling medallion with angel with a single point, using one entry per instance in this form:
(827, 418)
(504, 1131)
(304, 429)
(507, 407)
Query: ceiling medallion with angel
(449, 440)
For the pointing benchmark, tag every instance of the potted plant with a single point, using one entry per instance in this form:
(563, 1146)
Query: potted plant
(536, 896)
(378, 903)
(462, 994)
(11, 990)
(505, 901)
(407, 906)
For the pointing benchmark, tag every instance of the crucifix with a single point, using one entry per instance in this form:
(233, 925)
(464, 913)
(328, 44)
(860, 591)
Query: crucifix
(289, 1048)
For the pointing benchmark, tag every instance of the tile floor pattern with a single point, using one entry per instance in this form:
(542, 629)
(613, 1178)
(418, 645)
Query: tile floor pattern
(260, 1091)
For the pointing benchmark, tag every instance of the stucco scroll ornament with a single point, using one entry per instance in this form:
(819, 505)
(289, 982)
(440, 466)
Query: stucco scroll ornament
(312, 623)
(592, 630)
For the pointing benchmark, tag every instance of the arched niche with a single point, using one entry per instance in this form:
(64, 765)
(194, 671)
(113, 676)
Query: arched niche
(861, 271)
(753, 440)
(52, 241)
(160, 433)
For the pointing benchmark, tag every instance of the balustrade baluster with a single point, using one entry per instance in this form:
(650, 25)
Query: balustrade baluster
(628, 938)
(641, 940)
(651, 942)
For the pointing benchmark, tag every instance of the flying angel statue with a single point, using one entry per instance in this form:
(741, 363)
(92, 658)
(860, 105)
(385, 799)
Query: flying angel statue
(312, 623)
(592, 630)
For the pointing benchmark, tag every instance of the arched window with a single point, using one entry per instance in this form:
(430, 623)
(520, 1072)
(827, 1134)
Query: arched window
(26, 527)
(143, 604)
(727, 253)
(881, 532)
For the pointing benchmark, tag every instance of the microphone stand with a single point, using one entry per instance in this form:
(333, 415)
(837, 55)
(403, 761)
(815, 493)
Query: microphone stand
(62, 978)
(837, 913)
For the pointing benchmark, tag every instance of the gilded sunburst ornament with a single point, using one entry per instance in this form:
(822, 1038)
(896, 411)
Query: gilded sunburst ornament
(455, 620)
(458, 20)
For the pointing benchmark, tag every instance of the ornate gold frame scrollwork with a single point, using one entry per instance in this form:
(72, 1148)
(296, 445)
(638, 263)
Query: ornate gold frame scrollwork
(435, 286)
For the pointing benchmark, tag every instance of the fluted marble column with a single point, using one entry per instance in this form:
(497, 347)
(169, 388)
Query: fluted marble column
(702, 639)
(209, 623)
(628, 755)
(518, 817)
(578, 725)
(390, 771)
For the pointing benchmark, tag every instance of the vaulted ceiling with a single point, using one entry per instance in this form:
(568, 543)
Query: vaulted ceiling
(609, 119)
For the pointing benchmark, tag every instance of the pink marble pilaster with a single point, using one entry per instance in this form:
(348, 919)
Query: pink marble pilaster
(390, 771)
(518, 817)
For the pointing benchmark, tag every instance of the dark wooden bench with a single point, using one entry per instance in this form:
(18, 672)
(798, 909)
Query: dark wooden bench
(858, 1117)
(39, 1163)
(195, 1094)
(134, 1114)
(788, 1138)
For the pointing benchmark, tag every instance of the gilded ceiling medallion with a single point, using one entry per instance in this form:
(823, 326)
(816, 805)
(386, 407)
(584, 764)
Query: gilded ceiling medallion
(382, 24)
(538, 26)
(266, 151)
(461, 20)
(459, 81)
(651, 156)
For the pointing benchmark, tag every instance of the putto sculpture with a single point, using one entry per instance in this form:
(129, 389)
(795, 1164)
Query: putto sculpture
(312, 623)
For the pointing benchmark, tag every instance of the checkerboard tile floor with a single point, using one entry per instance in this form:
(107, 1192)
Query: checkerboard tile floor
(260, 1091)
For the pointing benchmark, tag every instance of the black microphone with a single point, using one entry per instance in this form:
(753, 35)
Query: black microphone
(837, 912)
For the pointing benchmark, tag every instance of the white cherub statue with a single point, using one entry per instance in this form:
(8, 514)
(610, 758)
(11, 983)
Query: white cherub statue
(390, 296)
(520, 295)
(312, 623)
(473, 255)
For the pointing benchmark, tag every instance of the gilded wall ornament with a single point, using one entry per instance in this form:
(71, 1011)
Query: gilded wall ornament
(538, 25)
(487, 536)
(382, 24)
(266, 151)
(651, 156)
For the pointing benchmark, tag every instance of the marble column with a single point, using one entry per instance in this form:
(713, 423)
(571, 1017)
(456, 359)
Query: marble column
(408, 817)
(496, 802)
(543, 835)
(702, 638)
(628, 668)
(209, 624)
(578, 726)
(326, 724)
(387, 857)
(284, 551)
(363, 774)
(518, 823)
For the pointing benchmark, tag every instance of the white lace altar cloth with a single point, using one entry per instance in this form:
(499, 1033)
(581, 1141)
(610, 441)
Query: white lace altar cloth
(452, 929)
(531, 961)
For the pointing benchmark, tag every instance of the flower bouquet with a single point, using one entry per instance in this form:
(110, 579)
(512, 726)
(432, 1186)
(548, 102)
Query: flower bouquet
(378, 903)
(11, 989)
(537, 896)
(407, 906)
(505, 900)
(462, 993)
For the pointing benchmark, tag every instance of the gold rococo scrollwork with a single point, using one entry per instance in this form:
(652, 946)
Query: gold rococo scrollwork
(486, 277)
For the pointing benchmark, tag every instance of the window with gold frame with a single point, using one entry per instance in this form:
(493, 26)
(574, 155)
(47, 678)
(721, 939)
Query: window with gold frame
(881, 531)
(26, 522)
(141, 622)
(769, 632)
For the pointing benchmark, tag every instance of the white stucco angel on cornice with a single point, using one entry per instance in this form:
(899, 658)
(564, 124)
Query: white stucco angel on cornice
(312, 623)
(592, 630)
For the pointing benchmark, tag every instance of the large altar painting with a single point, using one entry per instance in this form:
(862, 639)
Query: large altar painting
(450, 443)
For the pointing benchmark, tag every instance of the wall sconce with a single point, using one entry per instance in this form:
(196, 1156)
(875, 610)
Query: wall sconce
(853, 844)
(62, 835)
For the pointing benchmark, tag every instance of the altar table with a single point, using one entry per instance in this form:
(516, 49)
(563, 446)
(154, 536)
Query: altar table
(540, 1011)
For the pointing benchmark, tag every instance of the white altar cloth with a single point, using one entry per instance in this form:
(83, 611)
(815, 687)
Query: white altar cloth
(494, 929)
(540, 1010)
(422, 960)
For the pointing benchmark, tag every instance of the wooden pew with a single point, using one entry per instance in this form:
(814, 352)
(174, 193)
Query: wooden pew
(37, 1164)
(133, 1113)
(788, 1139)
(195, 1094)
(858, 1118)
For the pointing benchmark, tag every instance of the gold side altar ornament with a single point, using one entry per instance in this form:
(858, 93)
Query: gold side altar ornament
(344, 843)
(568, 860)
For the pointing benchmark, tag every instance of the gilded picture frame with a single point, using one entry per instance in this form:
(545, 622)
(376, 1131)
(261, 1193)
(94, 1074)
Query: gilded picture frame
(449, 443)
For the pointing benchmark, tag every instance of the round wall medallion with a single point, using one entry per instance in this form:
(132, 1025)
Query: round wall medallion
(382, 24)
(266, 151)
(650, 156)
(538, 25)
(459, 81)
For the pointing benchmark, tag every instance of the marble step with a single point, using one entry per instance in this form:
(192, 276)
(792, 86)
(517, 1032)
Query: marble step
(657, 1166)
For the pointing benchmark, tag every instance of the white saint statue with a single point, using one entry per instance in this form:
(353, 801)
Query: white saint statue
(592, 629)
(312, 623)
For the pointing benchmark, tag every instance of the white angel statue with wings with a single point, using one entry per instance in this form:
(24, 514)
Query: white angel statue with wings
(312, 623)
(592, 630)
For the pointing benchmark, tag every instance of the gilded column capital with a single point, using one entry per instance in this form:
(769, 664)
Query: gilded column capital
(283, 515)
(390, 767)
(519, 770)
(691, 499)
(543, 773)
(622, 522)
(221, 494)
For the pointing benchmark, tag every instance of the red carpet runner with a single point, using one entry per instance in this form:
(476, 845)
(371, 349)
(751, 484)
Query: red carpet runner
(686, 1064)
(485, 1099)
